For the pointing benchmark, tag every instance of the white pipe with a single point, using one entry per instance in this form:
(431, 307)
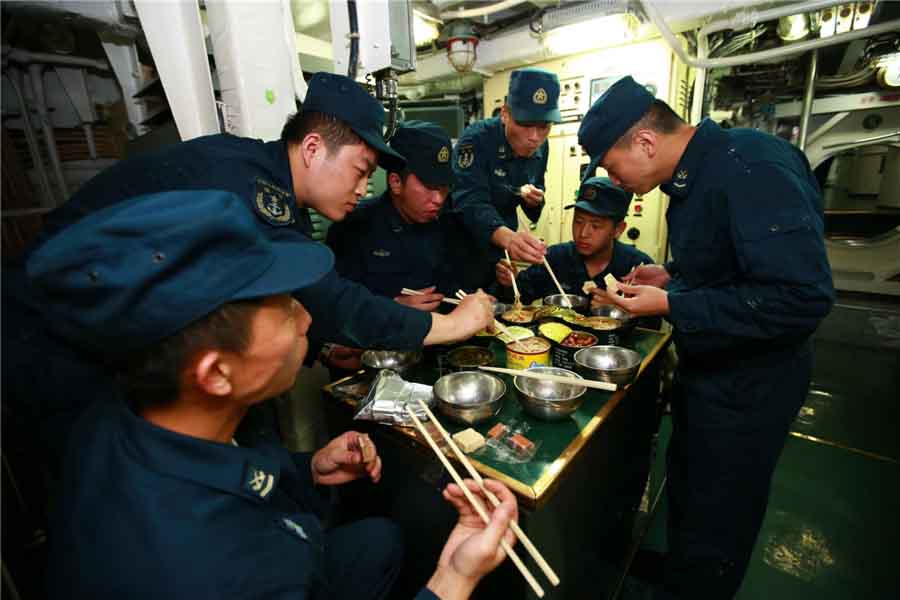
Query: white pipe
(37, 81)
(763, 55)
(809, 94)
(89, 136)
(480, 12)
(15, 78)
(24, 56)
(749, 18)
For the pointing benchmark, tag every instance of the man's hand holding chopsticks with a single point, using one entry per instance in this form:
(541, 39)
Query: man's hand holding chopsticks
(428, 301)
(473, 548)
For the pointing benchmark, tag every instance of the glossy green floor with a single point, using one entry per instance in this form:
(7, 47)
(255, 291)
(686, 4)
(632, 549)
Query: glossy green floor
(833, 525)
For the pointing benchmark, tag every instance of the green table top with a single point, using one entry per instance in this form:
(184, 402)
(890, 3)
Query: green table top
(558, 442)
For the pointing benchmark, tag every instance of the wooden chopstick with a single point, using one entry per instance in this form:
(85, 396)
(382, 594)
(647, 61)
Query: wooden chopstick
(409, 292)
(518, 298)
(479, 508)
(597, 385)
(532, 550)
(461, 294)
(565, 298)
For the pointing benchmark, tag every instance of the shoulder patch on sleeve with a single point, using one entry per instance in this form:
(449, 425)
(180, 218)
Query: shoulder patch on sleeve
(272, 204)
(465, 156)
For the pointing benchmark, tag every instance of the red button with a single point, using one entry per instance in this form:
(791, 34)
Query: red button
(638, 208)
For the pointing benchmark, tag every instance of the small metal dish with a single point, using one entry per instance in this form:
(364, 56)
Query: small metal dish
(374, 361)
(549, 400)
(613, 312)
(608, 363)
(579, 303)
(469, 357)
(469, 397)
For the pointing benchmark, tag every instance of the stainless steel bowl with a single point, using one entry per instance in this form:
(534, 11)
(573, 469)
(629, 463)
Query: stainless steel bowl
(608, 363)
(579, 303)
(613, 312)
(549, 400)
(469, 397)
(376, 360)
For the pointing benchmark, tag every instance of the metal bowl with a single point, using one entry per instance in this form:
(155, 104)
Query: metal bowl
(469, 397)
(470, 357)
(613, 312)
(376, 360)
(549, 400)
(608, 363)
(579, 303)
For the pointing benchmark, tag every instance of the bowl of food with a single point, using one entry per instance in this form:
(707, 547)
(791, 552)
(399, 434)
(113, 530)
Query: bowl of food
(374, 361)
(610, 323)
(574, 301)
(469, 358)
(517, 316)
(469, 397)
(608, 363)
(549, 400)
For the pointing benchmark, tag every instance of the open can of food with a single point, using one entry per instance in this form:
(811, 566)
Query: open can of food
(527, 352)
(563, 353)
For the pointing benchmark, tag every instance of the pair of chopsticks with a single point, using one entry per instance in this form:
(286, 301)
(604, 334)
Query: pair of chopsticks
(461, 294)
(564, 301)
(479, 508)
(597, 385)
(518, 299)
(409, 292)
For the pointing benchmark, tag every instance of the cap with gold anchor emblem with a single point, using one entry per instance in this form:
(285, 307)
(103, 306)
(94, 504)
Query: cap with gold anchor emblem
(426, 147)
(534, 96)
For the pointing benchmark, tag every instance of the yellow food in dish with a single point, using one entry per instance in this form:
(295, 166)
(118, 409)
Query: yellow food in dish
(554, 331)
(515, 332)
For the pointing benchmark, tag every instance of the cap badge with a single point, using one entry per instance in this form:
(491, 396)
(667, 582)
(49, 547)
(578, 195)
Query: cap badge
(259, 482)
(466, 156)
(443, 155)
(540, 96)
(589, 193)
(272, 204)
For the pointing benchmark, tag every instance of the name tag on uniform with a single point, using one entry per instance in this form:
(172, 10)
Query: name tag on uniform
(293, 527)
(499, 172)
(381, 253)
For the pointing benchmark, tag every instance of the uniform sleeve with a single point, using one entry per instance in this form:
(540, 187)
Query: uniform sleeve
(534, 212)
(784, 286)
(472, 192)
(426, 594)
(347, 313)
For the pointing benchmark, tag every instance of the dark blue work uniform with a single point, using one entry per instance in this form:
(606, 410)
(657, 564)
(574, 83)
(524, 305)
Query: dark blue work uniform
(375, 247)
(146, 512)
(751, 282)
(488, 176)
(568, 266)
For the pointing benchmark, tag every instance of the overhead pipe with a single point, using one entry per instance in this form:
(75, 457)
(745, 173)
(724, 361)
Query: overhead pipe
(762, 55)
(17, 55)
(490, 9)
(809, 94)
(37, 82)
(15, 78)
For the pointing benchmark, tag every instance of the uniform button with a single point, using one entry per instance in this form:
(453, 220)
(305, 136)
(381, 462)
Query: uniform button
(774, 228)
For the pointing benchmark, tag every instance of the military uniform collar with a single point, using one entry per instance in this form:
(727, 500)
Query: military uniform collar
(707, 137)
(252, 473)
(278, 151)
(505, 151)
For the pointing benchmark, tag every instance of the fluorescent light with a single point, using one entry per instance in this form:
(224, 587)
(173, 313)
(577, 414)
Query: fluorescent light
(606, 31)
(425, 30)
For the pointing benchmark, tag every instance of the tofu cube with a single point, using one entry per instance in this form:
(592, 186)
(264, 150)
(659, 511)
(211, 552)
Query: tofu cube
(468, 440)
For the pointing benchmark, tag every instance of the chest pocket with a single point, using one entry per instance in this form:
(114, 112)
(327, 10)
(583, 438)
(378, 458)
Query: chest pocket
(701, 244)
(785, 247)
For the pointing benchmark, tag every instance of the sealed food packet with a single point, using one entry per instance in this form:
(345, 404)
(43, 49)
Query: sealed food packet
(507, 443)
(388, 397)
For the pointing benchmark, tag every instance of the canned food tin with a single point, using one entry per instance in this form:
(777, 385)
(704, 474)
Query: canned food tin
(563, 353)
(524, 353)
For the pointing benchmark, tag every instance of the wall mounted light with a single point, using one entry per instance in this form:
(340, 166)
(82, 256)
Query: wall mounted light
(611, 30)
(462, 44)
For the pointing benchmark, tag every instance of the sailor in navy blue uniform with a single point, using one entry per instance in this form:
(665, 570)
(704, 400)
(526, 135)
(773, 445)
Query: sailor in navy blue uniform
(499, 165)
(322, 162)
(593, 253)
(748, 284)
(396, 240)
(191, 300)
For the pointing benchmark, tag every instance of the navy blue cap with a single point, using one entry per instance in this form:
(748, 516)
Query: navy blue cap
(427, 150)
(599, 196)
(137, 272)
(614, 112)
(534, 96)
(345, 99)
